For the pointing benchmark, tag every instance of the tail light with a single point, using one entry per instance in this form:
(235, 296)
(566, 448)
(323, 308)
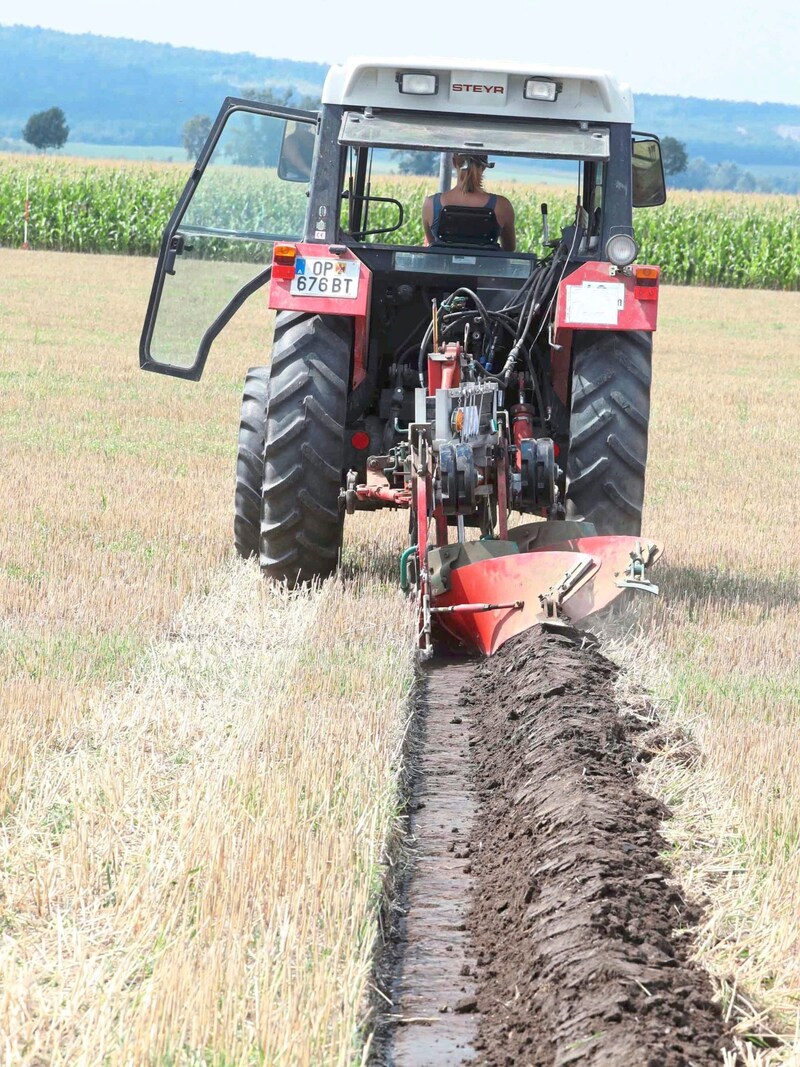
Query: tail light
(646, 279)
(283, 262)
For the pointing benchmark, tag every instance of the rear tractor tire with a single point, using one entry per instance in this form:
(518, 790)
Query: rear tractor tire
(250, 462)
(301, 519)
(608, 429)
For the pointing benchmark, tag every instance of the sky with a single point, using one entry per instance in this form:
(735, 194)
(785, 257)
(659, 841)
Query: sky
(728, 49)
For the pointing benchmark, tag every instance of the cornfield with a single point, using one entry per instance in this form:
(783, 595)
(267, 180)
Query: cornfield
(77, 207)
(740, 241)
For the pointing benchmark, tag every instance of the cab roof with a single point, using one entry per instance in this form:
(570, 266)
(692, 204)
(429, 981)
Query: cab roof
(468, 86)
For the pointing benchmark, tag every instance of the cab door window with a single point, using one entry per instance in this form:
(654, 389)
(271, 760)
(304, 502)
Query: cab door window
(220, 237)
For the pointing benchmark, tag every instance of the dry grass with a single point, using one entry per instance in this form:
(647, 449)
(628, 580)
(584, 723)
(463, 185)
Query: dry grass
(115, 485)
(720, 645)
(195, 792)
(191, 872)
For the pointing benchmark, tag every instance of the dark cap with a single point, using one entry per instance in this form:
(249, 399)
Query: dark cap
(478, 161)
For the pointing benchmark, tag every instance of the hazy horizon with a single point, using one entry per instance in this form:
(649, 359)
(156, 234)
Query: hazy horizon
(705, 52)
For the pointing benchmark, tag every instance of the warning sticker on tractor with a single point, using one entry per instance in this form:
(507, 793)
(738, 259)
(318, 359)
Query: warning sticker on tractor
(595, 303)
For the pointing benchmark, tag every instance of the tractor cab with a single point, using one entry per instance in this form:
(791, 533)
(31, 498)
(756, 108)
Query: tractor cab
(356, 173)
(518, 379)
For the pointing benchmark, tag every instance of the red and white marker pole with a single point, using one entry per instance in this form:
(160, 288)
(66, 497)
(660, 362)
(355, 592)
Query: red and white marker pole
(27, 213)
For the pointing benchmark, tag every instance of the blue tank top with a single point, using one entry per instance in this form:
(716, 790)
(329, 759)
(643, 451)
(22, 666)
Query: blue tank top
(437, 211)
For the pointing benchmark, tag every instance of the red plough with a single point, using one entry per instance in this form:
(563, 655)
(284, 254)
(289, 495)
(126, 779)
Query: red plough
(468, 465)
(561, 584)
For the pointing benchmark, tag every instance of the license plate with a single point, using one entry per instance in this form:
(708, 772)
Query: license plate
(336, 278)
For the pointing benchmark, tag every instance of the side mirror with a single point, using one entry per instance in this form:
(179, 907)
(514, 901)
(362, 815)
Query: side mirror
(649, 187)
(297, 151)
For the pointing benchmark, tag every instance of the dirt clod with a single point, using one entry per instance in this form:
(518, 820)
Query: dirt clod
(575, 919)
(465, 1005)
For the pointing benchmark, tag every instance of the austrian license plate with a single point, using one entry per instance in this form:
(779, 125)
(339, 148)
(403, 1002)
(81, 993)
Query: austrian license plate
(325, 277)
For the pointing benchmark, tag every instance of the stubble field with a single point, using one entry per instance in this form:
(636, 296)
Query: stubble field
(199, 772)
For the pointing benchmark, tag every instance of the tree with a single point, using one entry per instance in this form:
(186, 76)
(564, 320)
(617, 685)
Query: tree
(673, 153)
(195, 131)
(725, 175)
(47, 129)
(253, 141)
(698, 174)
(421, 163)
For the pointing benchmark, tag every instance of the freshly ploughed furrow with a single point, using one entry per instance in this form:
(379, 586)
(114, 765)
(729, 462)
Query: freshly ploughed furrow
(579, 934)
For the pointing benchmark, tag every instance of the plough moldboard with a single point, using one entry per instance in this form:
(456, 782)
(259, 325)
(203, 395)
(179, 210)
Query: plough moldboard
(484, 602)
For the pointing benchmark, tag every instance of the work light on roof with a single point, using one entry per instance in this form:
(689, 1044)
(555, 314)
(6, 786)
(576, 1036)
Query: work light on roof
(540, 89)
(418, 83)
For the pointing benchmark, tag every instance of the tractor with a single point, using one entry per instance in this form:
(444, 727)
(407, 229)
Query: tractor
(457, 380)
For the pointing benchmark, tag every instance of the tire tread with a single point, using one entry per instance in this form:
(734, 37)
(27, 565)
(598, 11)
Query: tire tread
(609, 421)
(301, 521)
(249, 462)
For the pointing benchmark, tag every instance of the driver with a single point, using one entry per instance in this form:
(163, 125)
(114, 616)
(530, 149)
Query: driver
(469, 192)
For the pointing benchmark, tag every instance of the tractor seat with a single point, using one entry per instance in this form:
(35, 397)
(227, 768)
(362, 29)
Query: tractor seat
(471, 226)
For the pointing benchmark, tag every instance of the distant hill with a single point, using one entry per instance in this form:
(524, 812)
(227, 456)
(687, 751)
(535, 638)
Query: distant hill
(746, 133)
(116, 91)
(121, 92)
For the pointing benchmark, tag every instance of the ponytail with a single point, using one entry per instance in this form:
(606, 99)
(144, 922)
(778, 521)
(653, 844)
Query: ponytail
(470, 173)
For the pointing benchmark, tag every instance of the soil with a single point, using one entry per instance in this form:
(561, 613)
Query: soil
(581, 938)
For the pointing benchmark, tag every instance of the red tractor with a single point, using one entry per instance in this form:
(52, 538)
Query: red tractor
(455, 379)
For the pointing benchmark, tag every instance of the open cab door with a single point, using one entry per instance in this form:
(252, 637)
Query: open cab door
(248, 189)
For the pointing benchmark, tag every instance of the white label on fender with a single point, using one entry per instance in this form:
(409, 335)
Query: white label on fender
(595, 303)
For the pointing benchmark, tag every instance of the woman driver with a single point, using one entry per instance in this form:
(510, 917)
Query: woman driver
(469, 192)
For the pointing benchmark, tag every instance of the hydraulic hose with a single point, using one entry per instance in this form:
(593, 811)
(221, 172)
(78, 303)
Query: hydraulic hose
(516, 318)
(423, 351)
